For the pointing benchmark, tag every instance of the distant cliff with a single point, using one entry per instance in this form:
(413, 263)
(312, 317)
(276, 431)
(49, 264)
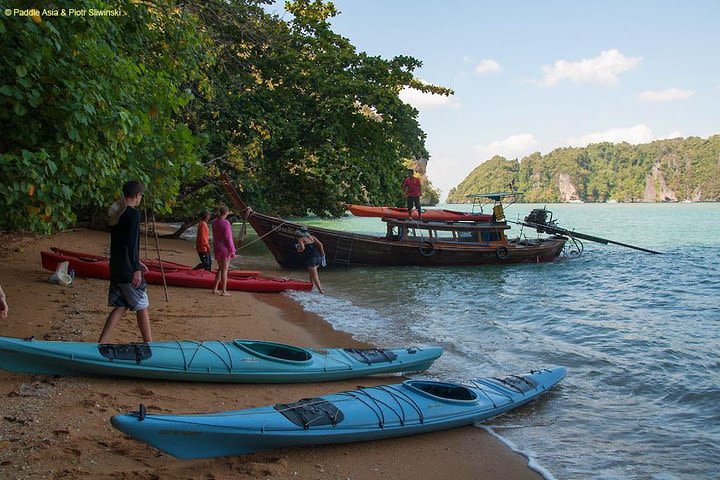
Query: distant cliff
(662, 171)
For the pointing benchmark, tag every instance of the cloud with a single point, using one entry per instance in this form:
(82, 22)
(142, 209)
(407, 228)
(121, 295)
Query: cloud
(669, 95)
(487, 65)
(514, 146)
(637, 134)
(427, 101)
(601, 70)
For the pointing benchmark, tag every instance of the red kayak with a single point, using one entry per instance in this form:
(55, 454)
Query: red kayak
(95, 266)
(434, 215)
(150, 263)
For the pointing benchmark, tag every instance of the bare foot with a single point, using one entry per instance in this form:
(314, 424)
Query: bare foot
(225, 294)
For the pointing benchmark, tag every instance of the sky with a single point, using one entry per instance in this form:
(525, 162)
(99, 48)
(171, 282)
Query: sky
(537, 75)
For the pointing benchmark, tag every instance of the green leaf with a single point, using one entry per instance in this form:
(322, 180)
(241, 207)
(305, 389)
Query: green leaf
(81, 118)
(19, 109)
(73, 133)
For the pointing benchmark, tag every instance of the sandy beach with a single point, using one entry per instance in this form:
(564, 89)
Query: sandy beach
(58, 427)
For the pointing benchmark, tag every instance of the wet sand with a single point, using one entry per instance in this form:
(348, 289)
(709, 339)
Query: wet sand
(58, 427)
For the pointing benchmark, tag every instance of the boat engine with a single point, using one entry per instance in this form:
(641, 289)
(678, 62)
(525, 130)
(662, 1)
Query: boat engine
(538, 217)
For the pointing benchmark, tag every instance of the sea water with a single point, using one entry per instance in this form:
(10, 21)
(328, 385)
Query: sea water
(638, 333)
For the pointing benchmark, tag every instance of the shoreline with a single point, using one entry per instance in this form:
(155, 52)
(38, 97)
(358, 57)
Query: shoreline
(59, 426)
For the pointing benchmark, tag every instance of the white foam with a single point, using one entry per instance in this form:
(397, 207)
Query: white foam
(532, 461)
(363, 323)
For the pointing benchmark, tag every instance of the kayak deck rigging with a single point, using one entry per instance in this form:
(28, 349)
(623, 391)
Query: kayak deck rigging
(319, 411)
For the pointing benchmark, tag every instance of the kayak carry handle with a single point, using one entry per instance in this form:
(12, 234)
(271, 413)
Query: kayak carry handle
(142, 411)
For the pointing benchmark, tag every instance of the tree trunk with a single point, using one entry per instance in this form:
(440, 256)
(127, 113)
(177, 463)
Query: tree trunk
(177, 233)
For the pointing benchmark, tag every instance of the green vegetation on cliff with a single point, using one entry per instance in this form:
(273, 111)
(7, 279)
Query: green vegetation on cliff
(665, 170)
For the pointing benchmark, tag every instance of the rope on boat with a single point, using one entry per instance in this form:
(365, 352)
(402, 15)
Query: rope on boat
(407, 398)
(200, 345)
(182, 350)
(338, 360)
(474, 384)
(262, 236)
(357, 396)
(509, 385)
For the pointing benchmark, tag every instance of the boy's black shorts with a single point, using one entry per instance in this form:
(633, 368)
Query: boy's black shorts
(413, 201)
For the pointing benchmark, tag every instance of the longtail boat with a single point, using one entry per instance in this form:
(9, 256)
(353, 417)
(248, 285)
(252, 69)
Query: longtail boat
(406, 242)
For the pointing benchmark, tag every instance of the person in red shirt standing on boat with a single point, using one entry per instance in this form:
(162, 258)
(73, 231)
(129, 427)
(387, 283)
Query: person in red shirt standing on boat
(413, 189)
(202, 243)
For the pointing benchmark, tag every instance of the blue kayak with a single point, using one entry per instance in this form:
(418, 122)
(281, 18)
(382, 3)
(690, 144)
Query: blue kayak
(244, 361)
(372, 413)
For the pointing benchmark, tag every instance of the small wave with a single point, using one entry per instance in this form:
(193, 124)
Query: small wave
(533, 464)
(363, 323)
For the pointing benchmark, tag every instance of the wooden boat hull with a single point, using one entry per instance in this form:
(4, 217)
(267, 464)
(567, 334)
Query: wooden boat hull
(437, 214)
(344, 248)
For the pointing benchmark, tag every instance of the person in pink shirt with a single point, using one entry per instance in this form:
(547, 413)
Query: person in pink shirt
(413, 189)
(224, 247)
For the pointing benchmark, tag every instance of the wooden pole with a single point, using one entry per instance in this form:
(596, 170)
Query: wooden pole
(162, 270)
(146, 235)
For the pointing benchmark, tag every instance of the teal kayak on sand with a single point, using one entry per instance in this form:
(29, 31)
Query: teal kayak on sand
(372, 413)
(243, 361)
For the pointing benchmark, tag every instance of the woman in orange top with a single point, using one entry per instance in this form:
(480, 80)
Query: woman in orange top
(202, 243)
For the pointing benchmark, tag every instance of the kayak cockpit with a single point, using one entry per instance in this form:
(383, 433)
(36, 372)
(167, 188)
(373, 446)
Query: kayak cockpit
(446, 392)
(275, 351)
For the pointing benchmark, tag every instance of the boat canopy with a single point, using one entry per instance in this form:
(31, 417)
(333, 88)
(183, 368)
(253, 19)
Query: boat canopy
(445, 226)
(497, 196)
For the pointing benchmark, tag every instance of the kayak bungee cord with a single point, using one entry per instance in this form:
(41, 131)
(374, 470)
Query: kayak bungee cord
(474, 384)
(403, 396)
(327, 357)
(200, 345)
